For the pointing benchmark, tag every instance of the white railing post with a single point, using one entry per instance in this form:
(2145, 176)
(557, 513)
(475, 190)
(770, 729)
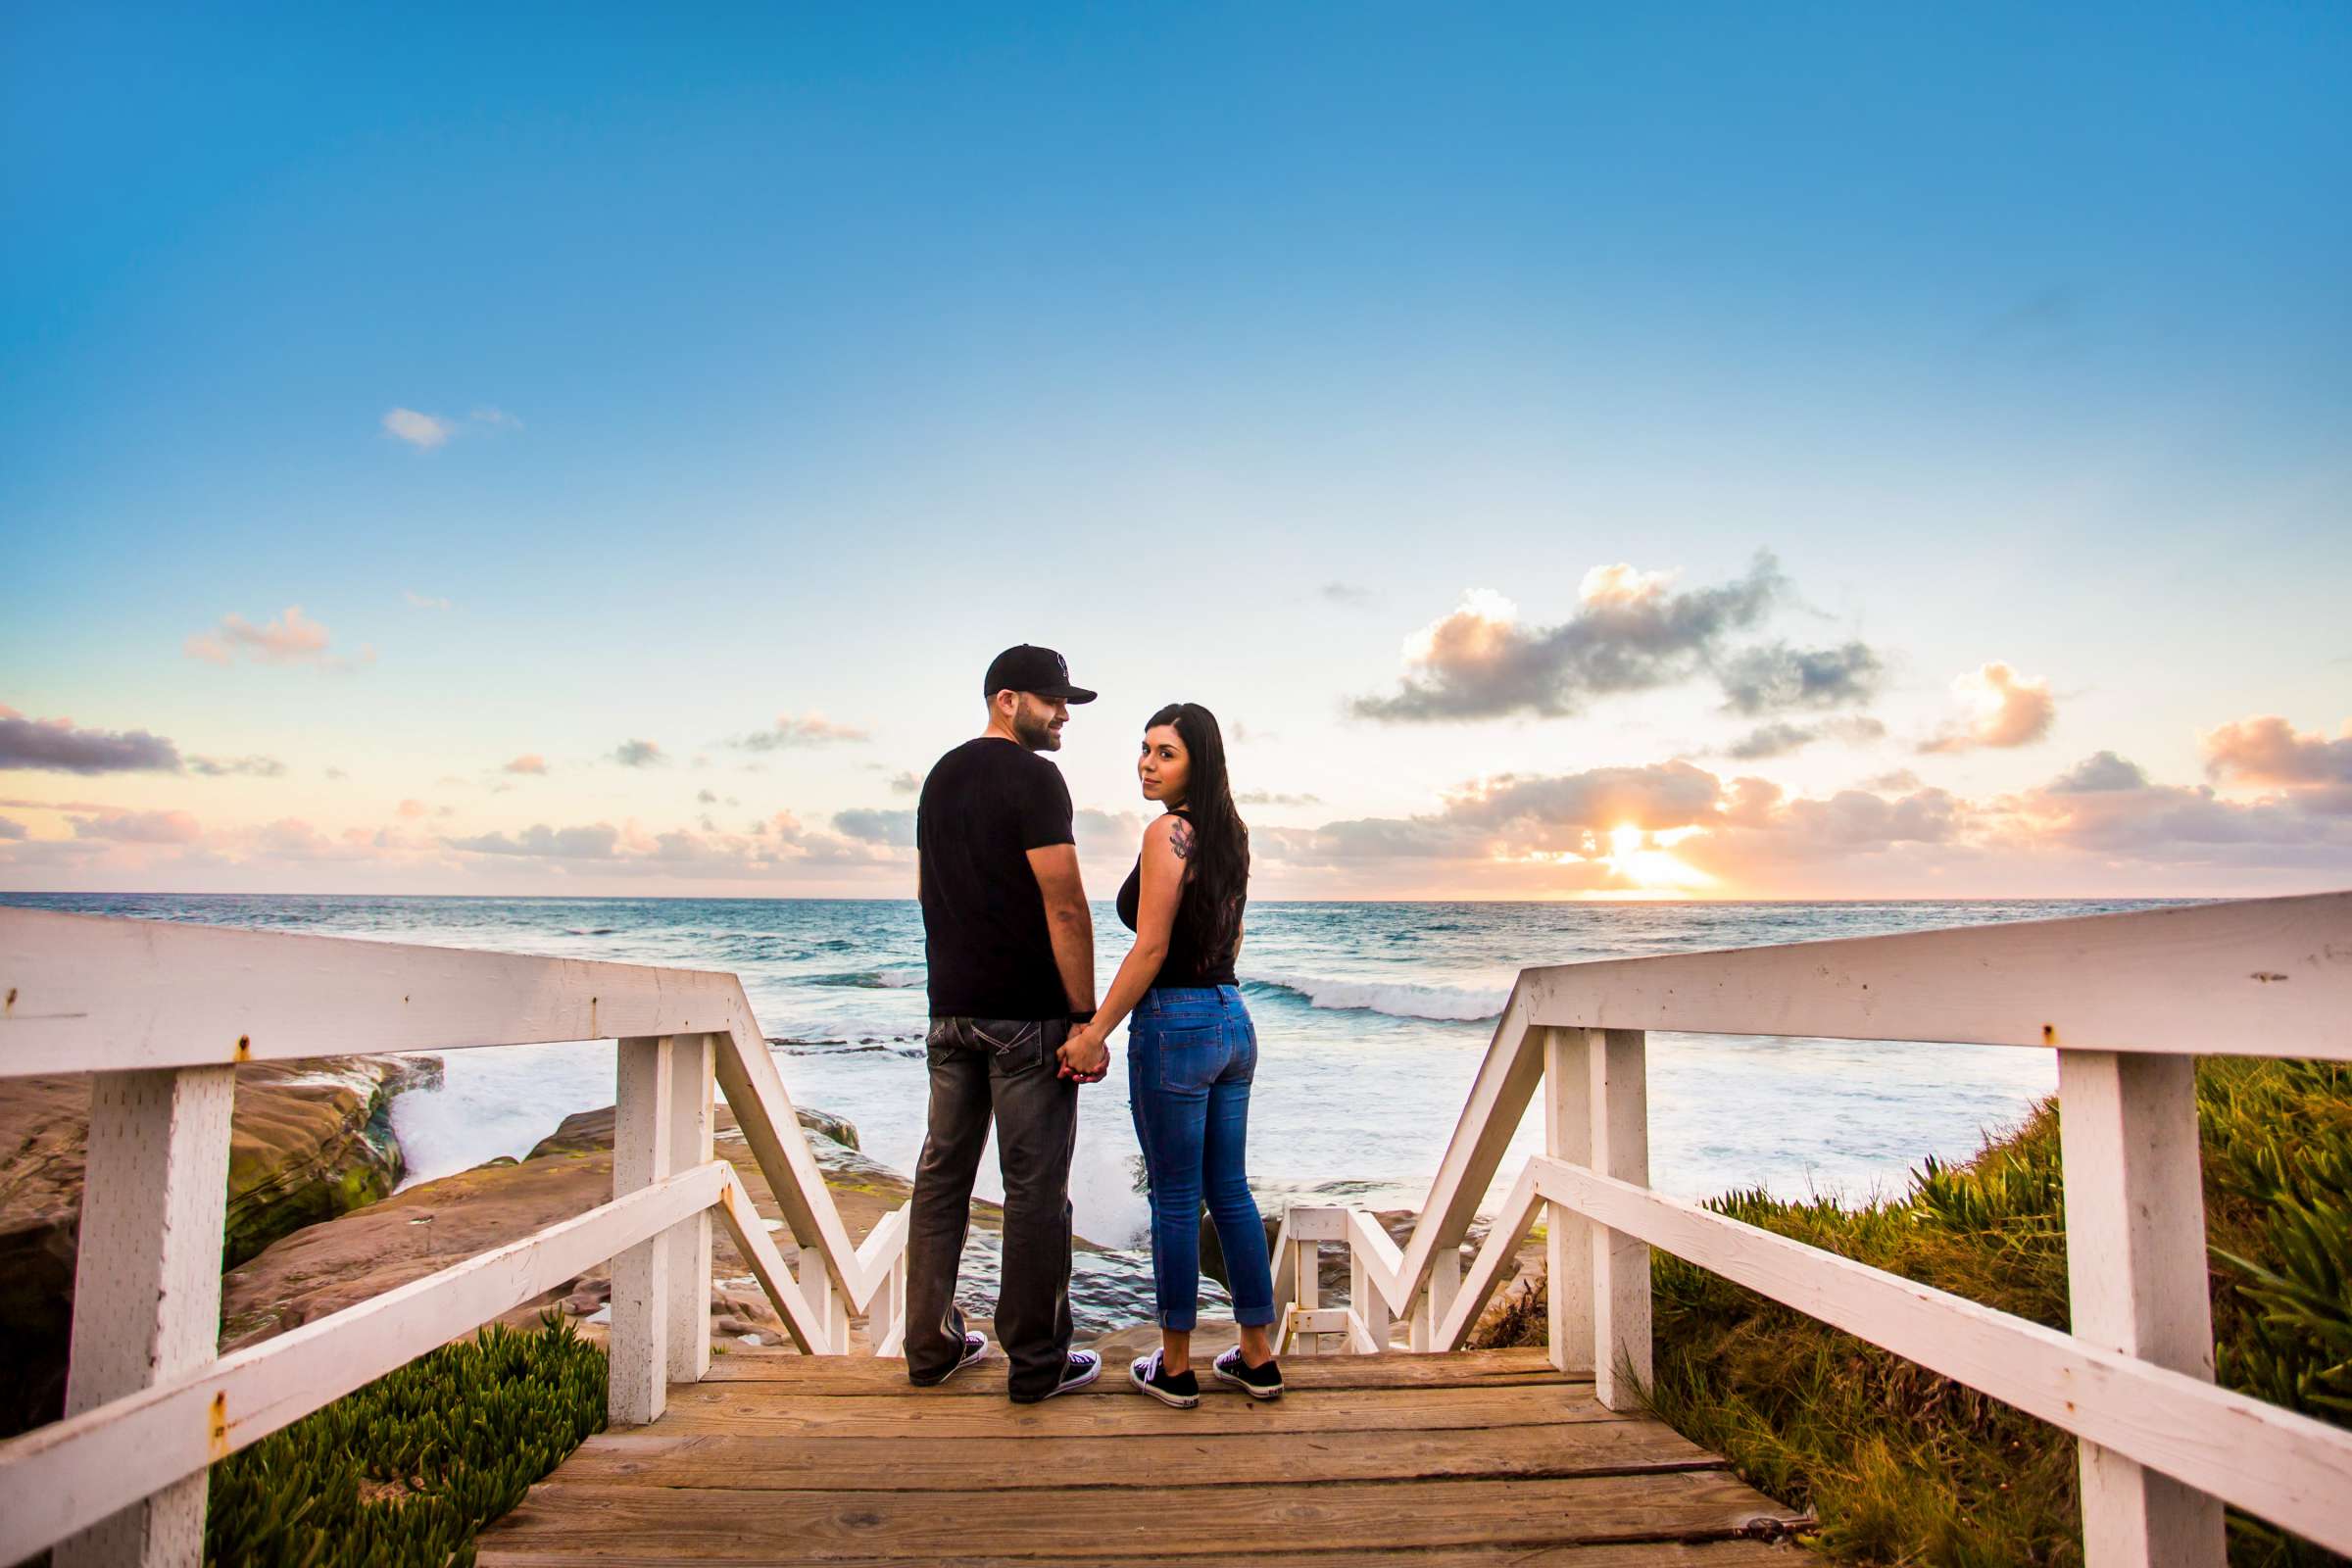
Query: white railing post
(147, 1280)
(1437, 1299)
(1306, 1290)
(642, 1123)
(689, 1265)
(1621, 1364)
(1568, 1078)
(1367, 1305)
(2136, 1281)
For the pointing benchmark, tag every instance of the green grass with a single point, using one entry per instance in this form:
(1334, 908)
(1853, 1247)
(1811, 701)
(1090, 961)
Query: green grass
(405, 1470)
(1902, 1466)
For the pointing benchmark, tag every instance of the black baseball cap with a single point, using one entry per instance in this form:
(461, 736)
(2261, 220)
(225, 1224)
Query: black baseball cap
(1029, 668)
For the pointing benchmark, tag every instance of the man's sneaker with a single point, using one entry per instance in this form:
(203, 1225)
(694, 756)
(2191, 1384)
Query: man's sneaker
(975, 1346)
(1151, 1374)
(1257, 1381)
(1082, 1368)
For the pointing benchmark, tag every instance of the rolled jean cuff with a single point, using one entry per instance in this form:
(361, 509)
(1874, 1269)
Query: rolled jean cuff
(1256, 1317)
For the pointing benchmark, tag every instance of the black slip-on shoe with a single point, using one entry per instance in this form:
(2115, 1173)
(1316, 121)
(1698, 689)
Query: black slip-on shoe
(1149, 1373)
(1257, 1381)
(1082, 1368)
(975, 1348)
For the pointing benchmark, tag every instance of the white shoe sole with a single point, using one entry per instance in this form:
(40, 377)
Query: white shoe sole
(1178, 1402)
(981, 1354)
(1246, 1386)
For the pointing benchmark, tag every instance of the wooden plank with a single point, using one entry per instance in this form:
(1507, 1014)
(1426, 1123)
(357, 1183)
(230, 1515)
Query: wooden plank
(748, 1229)
(2287, 1468)
(688, 1242)
(755, 1409)
(68, 1475)
(2135, 1268)
(1204, 1523)
(96, 993)
(652, 1457)
(1492, 1268)
(829, 1377)
(1569, 1077)
(147, 1279)
(1626, 1554)
(639, 1348)
(2261, 977)
(1620, 1104)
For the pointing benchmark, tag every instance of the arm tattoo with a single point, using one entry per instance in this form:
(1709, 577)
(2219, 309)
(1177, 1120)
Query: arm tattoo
(1179, 839)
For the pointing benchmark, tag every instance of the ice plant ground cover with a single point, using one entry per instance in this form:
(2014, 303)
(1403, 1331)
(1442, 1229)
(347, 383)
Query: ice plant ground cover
(1905, 1466)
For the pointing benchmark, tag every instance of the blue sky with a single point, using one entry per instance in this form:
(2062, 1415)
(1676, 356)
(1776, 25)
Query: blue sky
(792, 363)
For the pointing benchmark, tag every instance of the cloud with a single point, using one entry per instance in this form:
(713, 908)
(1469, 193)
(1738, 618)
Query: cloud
(812, 729)
(1345, 593)
(58, 746)
(495, 418)
(1902, 781)
(336, 773)
(592, 843)
(412, 809)
(1632, 632)
(139, 827)
(251, 766)
(10, 828)
(778, 845)
(896, 828)
(2098, 772)
(639, 754)
(1762, 680)
(1780, 738)
(290, 639)
(705, 798)
(1273, 798)
(2268, 751)
(530, 763)
(906, 783)
(2010, 710)
(424, 431)
(417, 601)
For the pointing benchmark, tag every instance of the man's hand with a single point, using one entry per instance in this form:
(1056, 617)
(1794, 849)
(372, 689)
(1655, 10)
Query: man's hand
(1084, 1056)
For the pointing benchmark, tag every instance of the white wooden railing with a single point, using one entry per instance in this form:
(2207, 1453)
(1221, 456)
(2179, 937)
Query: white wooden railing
(160, 1013)
(2128, 1001)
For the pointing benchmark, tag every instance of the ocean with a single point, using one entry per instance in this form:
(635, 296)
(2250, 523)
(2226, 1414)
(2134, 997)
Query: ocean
(1371, 1021)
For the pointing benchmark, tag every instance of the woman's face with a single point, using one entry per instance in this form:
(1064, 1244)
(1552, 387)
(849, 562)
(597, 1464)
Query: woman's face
(1165, 767)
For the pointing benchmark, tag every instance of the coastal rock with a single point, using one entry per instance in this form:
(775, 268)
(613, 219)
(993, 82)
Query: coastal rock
(307, 1141)
(434, 1224)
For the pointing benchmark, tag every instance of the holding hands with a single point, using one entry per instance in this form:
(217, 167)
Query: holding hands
(1086, 1055)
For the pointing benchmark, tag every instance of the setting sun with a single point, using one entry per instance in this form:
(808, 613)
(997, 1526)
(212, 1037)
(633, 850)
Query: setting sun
(1641, 860)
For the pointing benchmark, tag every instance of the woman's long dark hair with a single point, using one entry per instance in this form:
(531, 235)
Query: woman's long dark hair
(1212, 911)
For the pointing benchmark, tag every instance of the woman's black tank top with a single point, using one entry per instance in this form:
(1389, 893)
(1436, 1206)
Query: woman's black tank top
(1184, 965)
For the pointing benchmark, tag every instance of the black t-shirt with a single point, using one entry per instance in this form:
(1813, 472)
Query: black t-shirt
(984, 806)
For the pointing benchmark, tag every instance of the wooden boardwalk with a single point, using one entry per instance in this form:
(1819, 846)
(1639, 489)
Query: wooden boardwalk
(1471, 1458)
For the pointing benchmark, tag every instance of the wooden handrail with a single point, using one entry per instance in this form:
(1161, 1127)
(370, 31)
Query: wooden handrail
(2127, 999)
(160, 1013)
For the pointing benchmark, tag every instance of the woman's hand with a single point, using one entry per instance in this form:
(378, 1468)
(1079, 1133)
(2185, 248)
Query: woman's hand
(1085, 1055)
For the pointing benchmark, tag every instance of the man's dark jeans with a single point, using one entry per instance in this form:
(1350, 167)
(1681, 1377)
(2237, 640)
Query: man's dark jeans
(1007, 1068)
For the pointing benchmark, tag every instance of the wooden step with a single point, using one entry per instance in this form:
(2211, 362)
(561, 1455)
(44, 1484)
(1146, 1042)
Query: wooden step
(1209, 1524)
(1620, 1554)
(752, 1409)
(653, 1457)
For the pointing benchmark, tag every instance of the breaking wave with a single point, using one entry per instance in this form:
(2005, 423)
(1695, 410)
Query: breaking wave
(1395, 997)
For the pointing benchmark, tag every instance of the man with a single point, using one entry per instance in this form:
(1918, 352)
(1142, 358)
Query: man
(1010, 945)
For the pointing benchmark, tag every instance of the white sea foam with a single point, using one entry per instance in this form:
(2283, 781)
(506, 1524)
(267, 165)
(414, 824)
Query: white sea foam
(1397, 997)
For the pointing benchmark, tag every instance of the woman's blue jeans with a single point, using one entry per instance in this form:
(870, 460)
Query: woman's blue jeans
(1191, 1053)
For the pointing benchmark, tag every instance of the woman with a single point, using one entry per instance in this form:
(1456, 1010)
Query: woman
(1191, 1053)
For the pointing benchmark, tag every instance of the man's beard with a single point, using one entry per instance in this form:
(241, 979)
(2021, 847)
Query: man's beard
(1036, 734)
